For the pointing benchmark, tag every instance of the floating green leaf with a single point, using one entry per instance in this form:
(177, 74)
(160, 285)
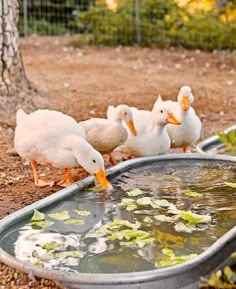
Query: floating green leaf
(145, 201)
(64, 215)
(52, 246)
(132, 237)
(191, 194)
(135, 193)
(232, 185)
(163, 218)
(131, 207)
(182, 228)
(171, 259)
(194, 219)
(126, 202)
(82, 213)
(38, 263)
(118, 224)
(37, 216)
(163, 203)
(233, 255)
(41, 224)
(74, 222)
(147, 219)
(230, 275)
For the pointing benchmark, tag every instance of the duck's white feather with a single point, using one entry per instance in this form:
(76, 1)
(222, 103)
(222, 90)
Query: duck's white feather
(106, 134)
(152, 137)
(188, 132)
(43, 136)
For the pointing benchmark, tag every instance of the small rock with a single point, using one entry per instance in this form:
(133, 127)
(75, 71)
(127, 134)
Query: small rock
(177, 66)
(229, 82)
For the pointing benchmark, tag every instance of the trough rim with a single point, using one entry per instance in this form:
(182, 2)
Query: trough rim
(116, 278)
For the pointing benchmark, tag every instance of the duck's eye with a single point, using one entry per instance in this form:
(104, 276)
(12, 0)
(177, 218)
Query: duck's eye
(94, 161)
(161, 111)
(125, 113)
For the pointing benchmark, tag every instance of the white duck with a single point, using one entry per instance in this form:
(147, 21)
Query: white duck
(190, 129)
(107, 134)
(152, 137)
(51, 137)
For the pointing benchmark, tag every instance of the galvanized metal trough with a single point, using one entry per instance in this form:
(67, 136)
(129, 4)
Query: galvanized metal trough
(212, 144)
(184, 276)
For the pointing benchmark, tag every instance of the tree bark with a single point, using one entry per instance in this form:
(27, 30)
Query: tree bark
(12, 76)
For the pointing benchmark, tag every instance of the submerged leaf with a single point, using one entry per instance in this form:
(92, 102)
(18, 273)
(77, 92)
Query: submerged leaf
(74, 222)
(191, 194)
(64, 215)
(67, 254)
(232, 185)
(96, 188)
(52, 246)
(174, 260)
(168, 252)
(41, 224)
(82, 213)
(59, 255)
(37, 216)
(135, 192)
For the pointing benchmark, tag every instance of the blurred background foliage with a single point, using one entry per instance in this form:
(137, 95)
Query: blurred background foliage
(203, 24)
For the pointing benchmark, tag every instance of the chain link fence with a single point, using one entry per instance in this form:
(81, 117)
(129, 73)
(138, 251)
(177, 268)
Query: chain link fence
(127, 22)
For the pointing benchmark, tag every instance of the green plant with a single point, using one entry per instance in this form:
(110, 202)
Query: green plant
(229, 139)
(162, 23)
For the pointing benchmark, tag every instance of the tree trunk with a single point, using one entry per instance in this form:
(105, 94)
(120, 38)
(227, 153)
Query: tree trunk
(12, 77)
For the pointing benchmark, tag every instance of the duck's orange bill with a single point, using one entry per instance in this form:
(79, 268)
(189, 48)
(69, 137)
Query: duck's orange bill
(102, 179)
(185, 103)
(131, 126)
(171, 119)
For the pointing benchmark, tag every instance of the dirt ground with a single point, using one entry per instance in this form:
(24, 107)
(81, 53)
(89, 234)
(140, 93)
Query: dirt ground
(82, 82)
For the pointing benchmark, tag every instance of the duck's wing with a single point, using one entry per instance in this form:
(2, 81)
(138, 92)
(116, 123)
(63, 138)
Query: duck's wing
(42, 131)
(103, 134)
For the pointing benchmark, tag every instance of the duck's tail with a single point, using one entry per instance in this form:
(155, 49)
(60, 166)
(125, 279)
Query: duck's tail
(111, 112)
(20, 115)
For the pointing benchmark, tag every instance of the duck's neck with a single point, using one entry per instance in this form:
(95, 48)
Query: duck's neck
(157, 128)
